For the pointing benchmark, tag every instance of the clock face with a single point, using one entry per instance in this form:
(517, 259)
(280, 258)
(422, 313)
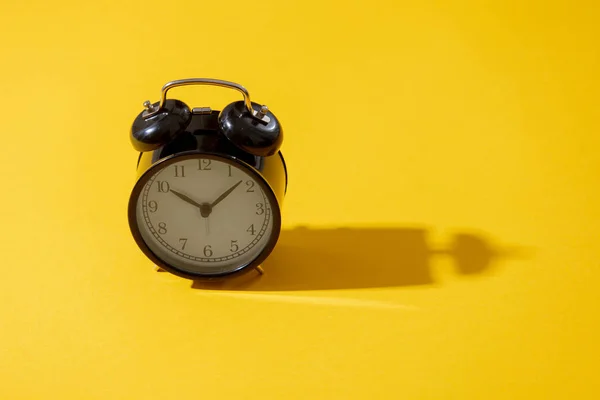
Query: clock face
(205, 215)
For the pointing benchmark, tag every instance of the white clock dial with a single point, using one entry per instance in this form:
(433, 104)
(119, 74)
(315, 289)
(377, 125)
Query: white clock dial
(205, 215)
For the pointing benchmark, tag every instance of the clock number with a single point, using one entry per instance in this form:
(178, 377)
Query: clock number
(251, 230)
(163, 186)
(229, 170)
(183, 242)
(153, 206)
(204, 165)
(162, 228)
(234, 246)
(260, 208)
(207, 251)
(179, 172)
(250, 185)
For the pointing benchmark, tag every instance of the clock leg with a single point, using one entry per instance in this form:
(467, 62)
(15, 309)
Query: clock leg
(260, 270)
(159, 269)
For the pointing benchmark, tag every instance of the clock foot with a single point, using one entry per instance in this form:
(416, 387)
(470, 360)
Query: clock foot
(260, 270)
(159, 269)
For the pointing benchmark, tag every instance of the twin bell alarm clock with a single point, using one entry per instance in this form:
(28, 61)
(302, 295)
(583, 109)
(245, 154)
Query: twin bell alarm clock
(210, 184)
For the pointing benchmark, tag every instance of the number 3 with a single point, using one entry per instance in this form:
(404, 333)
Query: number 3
(260, 208)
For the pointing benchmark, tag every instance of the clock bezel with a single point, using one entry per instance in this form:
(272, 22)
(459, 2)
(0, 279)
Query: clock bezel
(174, 158)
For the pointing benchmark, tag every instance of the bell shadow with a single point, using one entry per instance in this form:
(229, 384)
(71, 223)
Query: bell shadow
(346, 258)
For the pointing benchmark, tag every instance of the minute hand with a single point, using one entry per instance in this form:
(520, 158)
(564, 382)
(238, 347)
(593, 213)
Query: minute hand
(227, 192)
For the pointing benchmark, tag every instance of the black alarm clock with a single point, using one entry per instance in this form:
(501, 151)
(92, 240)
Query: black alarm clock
(210, 185)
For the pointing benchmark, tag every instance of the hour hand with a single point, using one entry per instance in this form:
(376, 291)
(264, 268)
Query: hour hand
(185, 198)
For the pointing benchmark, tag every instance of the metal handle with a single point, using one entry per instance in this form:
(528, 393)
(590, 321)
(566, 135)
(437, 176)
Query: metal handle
(153, 110)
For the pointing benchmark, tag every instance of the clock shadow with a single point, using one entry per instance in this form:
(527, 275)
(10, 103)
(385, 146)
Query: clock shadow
(347, 258)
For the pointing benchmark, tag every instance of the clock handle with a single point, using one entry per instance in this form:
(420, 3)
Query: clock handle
(152, 110)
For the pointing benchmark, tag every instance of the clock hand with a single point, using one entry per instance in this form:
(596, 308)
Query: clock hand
(205, 208)
(227, 192)
(185, 198)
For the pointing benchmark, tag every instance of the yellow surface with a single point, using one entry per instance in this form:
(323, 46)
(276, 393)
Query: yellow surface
(418, 134)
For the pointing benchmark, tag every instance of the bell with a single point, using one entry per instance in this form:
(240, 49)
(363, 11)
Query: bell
(259, 134)
(151, 132)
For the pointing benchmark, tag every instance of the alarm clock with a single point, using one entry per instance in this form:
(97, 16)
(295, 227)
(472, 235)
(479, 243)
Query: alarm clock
(207, 201)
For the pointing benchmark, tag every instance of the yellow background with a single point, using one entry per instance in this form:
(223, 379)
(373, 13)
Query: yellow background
(422, 138)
